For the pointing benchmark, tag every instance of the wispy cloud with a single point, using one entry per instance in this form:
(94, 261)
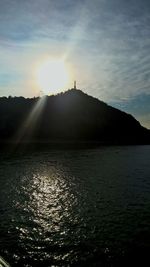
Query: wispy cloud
(106, 42)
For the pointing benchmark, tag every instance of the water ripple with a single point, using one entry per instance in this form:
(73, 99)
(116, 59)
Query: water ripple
(74, 208)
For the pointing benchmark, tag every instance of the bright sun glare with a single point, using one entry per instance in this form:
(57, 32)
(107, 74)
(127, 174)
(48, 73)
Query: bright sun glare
(52, 76)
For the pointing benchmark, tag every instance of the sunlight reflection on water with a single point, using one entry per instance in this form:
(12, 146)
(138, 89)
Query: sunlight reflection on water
(73, 208)
(49, 199)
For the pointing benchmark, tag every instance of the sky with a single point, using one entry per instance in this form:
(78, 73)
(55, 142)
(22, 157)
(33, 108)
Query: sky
(105, 45)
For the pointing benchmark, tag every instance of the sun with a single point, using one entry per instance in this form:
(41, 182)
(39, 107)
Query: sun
(52, 76)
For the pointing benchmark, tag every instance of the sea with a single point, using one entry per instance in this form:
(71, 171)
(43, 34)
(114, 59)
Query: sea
(75, 207)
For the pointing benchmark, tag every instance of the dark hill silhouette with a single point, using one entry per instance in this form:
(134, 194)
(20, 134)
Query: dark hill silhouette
(70, 116)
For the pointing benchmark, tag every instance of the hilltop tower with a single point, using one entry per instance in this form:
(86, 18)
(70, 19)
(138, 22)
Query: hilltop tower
(75, 87)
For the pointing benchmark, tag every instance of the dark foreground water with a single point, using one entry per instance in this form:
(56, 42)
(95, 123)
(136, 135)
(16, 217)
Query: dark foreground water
(76, 207)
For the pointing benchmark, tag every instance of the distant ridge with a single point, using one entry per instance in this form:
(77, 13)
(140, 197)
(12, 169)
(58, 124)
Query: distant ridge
(72, 116)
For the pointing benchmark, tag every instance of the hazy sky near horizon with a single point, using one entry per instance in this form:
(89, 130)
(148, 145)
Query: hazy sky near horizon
(105, 44)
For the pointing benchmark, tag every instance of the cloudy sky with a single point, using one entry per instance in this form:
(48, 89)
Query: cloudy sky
(105, 44)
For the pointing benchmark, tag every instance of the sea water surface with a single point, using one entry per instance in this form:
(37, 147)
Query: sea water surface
(87, 207)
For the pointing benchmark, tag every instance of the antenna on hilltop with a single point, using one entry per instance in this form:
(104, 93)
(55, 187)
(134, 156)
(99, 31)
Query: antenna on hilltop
(75, 86)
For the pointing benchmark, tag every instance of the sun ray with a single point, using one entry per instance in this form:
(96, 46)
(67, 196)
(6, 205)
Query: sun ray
(28, 126)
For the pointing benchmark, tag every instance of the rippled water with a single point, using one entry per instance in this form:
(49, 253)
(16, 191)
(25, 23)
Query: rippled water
(76, 207)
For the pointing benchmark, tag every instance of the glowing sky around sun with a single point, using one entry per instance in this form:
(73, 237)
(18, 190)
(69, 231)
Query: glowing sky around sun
(52, 76)
(104, 45)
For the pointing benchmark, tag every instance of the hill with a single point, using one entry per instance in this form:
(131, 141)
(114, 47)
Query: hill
(72, 116)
